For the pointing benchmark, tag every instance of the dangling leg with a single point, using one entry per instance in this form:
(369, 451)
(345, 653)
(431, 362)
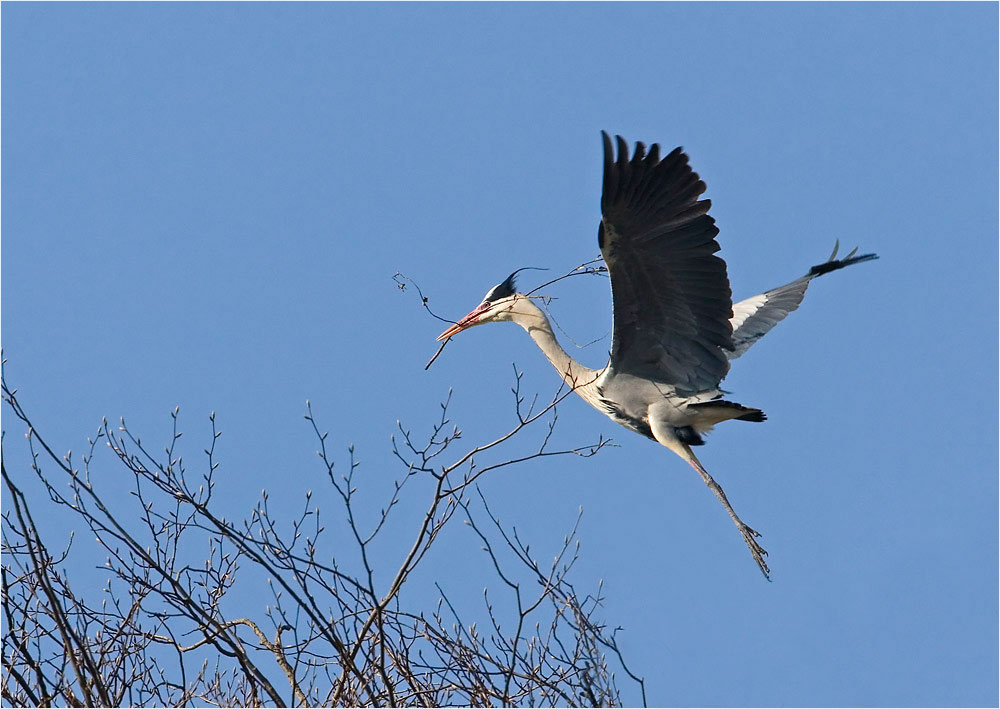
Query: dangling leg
(749, 535)
(664, 434)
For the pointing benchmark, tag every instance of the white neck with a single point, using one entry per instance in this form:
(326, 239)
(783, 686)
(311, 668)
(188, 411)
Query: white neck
(581, 379)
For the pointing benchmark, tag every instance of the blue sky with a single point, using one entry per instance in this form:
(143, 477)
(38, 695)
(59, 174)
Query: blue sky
(204, 206)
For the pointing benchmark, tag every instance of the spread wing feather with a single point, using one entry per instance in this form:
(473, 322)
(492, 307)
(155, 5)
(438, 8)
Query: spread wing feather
(672, 301)
(754, 317)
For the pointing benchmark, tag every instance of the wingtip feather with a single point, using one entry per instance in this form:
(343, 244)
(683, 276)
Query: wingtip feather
(834, 265)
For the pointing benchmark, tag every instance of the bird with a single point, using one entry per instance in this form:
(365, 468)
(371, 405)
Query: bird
(676, 330)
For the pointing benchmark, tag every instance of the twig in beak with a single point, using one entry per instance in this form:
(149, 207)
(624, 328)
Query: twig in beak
(428, 365)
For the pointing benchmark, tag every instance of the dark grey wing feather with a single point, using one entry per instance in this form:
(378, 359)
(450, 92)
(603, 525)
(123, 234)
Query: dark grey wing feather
(754, 317)
(672, 301)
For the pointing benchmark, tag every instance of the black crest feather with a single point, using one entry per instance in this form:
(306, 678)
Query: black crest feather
(508, 287)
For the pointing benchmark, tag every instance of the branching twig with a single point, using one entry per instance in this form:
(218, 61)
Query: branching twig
(165, 630)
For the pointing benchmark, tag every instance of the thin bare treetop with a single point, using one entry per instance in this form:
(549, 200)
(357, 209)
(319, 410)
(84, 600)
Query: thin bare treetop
(676, 328)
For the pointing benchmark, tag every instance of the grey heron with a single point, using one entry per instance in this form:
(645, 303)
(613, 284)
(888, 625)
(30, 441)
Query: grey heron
(676, 329)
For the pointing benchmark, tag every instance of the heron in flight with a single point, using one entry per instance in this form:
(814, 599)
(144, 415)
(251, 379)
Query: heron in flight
(676, 329)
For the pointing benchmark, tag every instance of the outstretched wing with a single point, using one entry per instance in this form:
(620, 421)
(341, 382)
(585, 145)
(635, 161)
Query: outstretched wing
(754, 317)
(672, 301)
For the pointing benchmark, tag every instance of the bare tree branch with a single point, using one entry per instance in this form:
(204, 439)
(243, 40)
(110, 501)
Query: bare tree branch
(311, 614)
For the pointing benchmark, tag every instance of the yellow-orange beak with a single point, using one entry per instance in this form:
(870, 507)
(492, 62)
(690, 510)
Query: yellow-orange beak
(468, 321)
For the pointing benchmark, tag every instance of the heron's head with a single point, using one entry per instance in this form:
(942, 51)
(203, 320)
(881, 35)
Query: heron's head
(497, 306)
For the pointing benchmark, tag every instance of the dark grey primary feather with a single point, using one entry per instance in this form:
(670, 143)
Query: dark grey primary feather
(672, 301)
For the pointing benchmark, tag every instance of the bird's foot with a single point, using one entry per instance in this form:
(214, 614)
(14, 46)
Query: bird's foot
(756, 550)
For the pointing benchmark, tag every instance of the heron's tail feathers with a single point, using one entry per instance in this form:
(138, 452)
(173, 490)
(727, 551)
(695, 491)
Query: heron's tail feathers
(755, 415)
(713, 412)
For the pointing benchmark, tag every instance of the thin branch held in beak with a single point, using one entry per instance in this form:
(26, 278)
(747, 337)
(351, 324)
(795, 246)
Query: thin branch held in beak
(588, 268)
(466, 322)
(399, 278)
(401, 281)
(440, 350)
